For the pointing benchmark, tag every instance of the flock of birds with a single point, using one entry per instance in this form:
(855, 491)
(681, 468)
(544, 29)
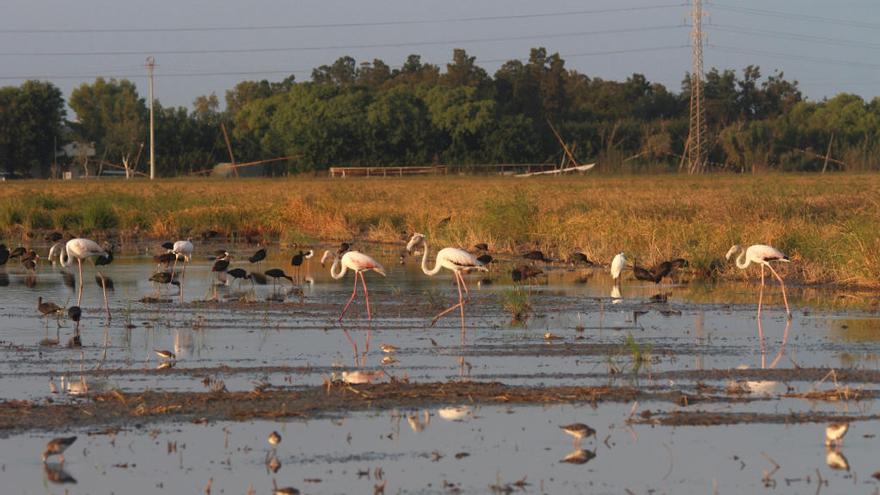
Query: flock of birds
(458, 261)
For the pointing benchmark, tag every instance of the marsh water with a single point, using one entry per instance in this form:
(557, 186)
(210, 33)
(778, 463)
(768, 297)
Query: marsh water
(578, 333)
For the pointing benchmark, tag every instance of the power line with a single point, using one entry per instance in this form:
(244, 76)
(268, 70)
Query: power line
(302, 71)
(790, 56)
(341, 24)
(794, 15)
(792, 36)
(228, 51)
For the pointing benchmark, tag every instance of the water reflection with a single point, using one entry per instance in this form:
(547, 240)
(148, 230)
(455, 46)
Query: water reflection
(55, 473)
(455, 413)
(578, 456)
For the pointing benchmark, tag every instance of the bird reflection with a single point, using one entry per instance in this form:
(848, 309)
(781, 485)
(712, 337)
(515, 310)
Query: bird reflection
(578, 456)
(455, 413)
(836, 460)
(104, 281)
(55, 473)
(4, 279)
(616, 297)
(68, 279)
(419, 424)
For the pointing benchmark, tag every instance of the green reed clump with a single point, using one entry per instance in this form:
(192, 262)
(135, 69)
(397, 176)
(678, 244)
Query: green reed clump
(516, 301)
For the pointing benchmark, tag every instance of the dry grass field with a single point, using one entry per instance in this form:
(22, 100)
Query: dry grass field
(829, 225)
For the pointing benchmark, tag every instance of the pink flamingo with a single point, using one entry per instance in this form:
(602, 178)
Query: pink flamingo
(359, 263)
(456, 260)
(762, 255)
(80, 249)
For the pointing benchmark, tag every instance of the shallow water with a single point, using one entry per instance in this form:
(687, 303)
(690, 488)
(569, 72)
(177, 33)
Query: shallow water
(298, 342)
(420, 452)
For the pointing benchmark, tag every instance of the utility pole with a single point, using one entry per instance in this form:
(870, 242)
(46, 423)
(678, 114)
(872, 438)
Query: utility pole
(151, 64)
(696, 150)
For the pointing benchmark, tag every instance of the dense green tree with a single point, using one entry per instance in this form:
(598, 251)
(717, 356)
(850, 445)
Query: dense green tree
(31, 118)
(111, 115)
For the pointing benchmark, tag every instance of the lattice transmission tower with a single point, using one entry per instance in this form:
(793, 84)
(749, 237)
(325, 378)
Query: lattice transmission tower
(696, 148)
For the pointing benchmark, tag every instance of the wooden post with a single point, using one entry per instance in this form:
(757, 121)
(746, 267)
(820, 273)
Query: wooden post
(828, 154)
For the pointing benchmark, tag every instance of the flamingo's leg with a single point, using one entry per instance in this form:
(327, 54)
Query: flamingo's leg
(353, 294)
(761, 293)
(80, 295)
(460, 282)
(106, 304)
(354, 347)
(781, 283)
(434, 321)
(466, 293)
(761, 339)
(366, 293)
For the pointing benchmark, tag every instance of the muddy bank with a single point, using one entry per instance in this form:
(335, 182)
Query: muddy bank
(120, 409)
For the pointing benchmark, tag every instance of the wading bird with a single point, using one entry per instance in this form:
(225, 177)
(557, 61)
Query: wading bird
(57, 446)
(75, 314)
(277, 273)
(80, 249)
(259, 256)
(458, 261)
(4, 254)
(357, 262)
(182, 249)
(762, 255)
(53, 237)
(164, 278)
(536, 256)
(47, 308)
(578, 257)
(221, 264)
(55, 253)
(15, 253)
(617, 266)
(524, 272)
(238, 274)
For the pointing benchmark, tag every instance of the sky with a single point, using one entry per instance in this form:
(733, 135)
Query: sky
(207, 46)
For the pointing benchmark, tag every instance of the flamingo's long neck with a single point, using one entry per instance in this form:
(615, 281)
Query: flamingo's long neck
(336, 265)
(437, 265)
(741, 261)
(64, 256)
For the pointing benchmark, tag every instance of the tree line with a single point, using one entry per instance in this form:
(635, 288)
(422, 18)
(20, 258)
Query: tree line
(371, 114)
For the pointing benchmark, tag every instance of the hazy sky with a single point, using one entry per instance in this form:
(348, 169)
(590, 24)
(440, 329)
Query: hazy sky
(828, 46)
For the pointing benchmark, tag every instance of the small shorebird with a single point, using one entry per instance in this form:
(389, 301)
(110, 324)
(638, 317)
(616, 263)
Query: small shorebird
(274, 438)
(360, 377)
(579, 431)
(578, 456)
(165, 354)
(389, 360)
(287, 490)
(48, 308)
(164, 278)
(388, 348)
(834, 434)
(57, 446)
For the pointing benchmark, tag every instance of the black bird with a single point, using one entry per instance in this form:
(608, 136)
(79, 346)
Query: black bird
(642, 273)
(105, 260)
(74, 313)
(168, 245)
(164, 258)
(343, 248)
(4, 254)
(578, 257)
(277, 273)
(221, 264)
(17, 252)
(655, 274)
(524, 272)
(220, 254)
(536, 256)
(481, 246)
(297, 259)
(257, 257)
(238, 273)
(485, 259)
(164, 278)
(104, 281)
(53, 237)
